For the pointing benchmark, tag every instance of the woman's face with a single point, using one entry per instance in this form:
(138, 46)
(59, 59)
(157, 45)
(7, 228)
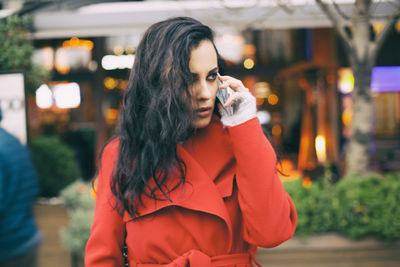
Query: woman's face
(203, 65)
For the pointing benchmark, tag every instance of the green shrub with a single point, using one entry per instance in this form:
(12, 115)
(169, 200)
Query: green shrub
(17, 50)
(390, 222)
(78, 196)
(356, 206)
(76, 235)
(369, 206)
(55, 163)
(314, 205)
(80, 205)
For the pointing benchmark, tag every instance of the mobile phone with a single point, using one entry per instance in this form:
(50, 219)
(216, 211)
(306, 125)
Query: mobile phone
(222, 94)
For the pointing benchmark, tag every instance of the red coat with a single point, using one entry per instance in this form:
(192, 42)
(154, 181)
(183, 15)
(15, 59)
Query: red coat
(232, 202)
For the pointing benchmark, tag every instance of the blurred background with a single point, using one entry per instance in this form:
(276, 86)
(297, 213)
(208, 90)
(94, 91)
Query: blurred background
(326, 76)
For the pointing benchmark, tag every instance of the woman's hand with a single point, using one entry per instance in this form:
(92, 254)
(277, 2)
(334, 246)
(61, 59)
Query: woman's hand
(237, 89)
(240, 105)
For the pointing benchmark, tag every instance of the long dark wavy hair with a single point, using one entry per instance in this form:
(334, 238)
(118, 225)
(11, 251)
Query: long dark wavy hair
(155, 116)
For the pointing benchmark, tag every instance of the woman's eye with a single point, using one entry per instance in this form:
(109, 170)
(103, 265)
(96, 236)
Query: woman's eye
(212, 77)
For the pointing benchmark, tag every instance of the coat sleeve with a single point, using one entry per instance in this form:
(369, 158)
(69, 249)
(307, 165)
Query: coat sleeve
(104, 247)
(269, 215)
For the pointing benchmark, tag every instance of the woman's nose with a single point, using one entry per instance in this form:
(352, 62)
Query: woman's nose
(204, 91)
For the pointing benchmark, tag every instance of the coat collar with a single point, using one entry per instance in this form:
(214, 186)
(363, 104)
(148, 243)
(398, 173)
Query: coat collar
(211, 147)
(207, 155)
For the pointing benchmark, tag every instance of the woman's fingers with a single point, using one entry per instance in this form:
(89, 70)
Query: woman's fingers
(233, 83)
(236, 86)
(234, 97)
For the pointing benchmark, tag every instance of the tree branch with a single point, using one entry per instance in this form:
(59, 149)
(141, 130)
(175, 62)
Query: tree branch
(338, 23)
(339, 11)
(384, 33)
(285, 7)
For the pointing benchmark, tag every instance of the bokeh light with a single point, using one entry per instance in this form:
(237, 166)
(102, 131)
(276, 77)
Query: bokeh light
(67, 95)
(273, 99)
(44, 97)
(248, 63)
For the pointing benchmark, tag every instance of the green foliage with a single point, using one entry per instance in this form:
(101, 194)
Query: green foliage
(77, 196)
(370, 206)
(76, 235)
(55, 163)
(17, 50)
(314, 205)
(34, 77)
(80, 205)
(356, 206)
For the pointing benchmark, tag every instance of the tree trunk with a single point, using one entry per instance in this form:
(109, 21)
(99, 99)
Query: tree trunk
(357, 160)
(362, 52)
(358, 148)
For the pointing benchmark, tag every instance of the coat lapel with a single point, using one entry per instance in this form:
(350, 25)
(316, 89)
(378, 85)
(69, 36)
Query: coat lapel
(209, 176)
(212, 149)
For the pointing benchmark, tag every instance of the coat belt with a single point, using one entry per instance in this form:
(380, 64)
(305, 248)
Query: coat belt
(196, 258)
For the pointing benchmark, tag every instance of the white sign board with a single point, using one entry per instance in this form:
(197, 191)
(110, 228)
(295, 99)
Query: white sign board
(12, 103)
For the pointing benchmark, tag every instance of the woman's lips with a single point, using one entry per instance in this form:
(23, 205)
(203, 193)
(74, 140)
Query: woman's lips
(203, 112)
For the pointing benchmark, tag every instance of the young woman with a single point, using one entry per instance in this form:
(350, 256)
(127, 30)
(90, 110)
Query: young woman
(187, 181)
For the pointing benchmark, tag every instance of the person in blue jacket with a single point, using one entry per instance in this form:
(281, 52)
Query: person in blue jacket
(19, 235)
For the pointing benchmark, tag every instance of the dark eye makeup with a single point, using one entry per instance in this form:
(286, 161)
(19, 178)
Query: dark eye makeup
(212, 76)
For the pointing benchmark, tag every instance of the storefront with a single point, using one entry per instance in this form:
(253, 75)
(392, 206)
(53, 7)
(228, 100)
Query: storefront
(298, 75)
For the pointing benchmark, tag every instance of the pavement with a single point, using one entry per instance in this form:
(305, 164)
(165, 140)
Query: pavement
(331, 250)
(50, 220)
